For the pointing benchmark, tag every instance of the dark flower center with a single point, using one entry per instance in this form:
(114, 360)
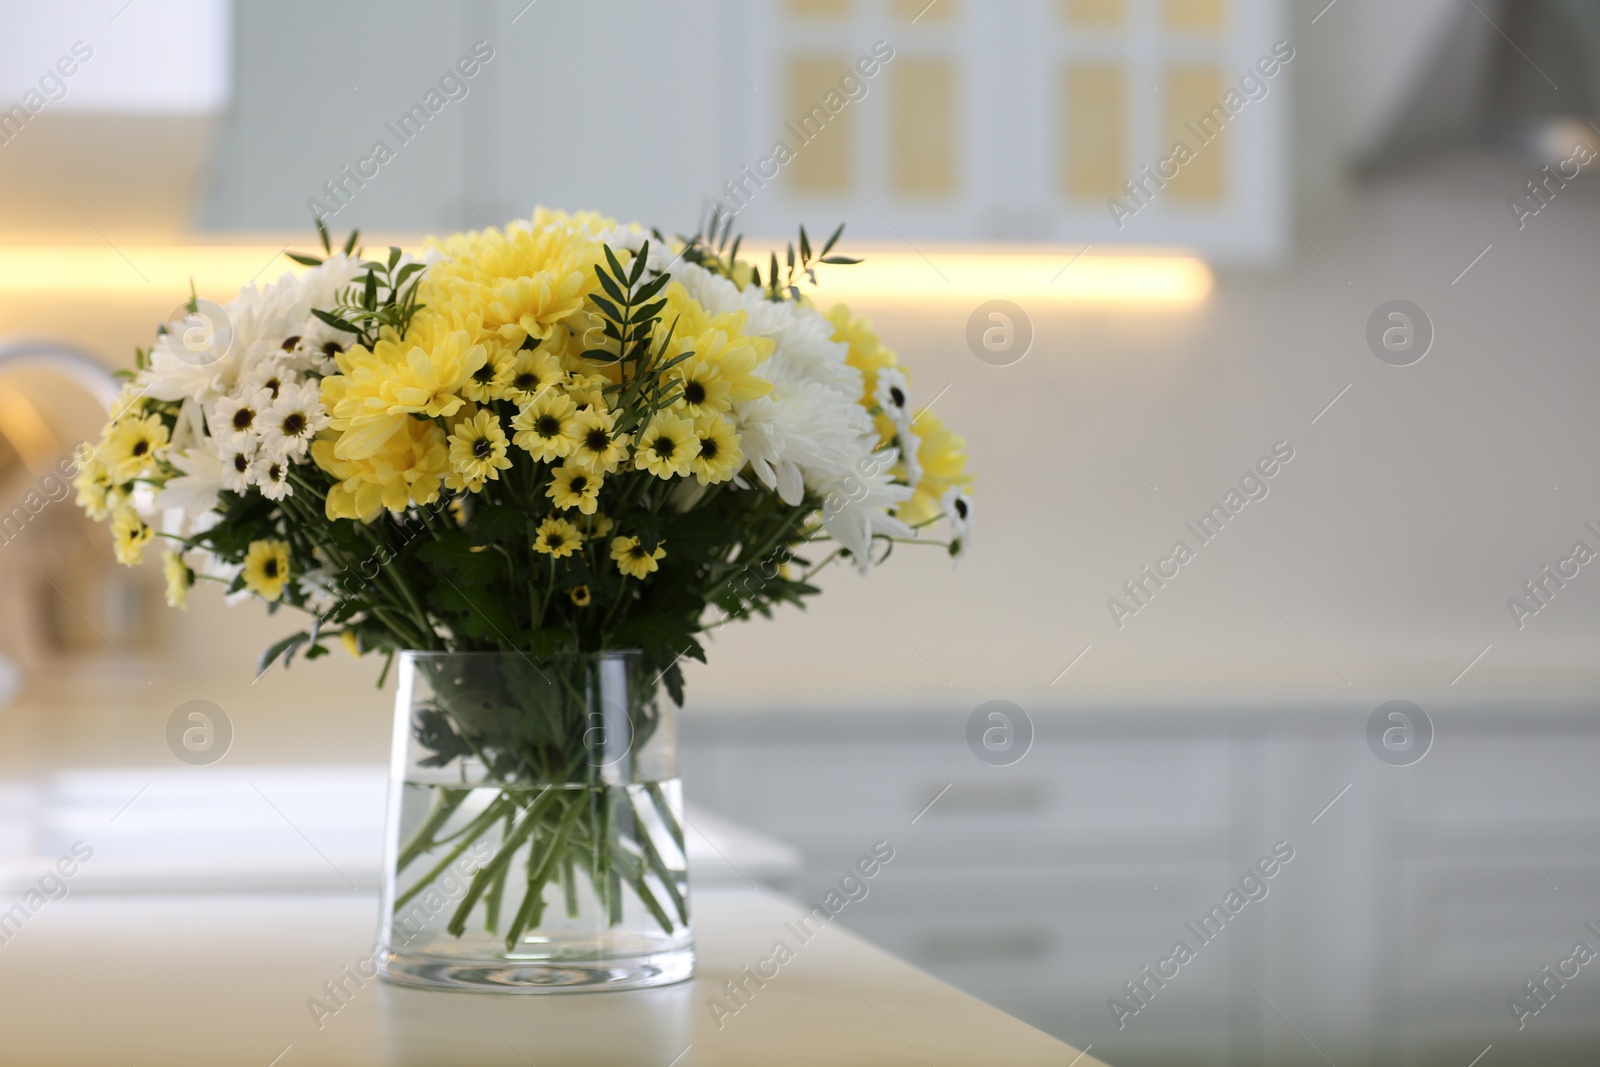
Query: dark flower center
(708, 448)
(481, 448)
(141, 447)
(484, 374)
(270, 568)
(961, 507)
(332, 348)
(638, 552)
(240, 464)
(525, 381)
(547, 426)
(275, 473)
(664, 446)
(272, 387)
(289, 343)
(243, 418)
(555, 540)
(578, 484)
(897, 395)
(694, 393)
(597, 440)
(294, 424)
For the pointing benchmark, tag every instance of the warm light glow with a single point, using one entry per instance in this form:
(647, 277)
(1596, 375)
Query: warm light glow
(1067, 276)
(141, 270)
(1092, 279)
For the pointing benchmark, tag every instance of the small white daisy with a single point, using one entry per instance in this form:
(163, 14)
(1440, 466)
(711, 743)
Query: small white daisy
(288, 426)
(233, 419)
(893, 395)
(271, 474)
(957, 507)
(235, 468)
(270, 375)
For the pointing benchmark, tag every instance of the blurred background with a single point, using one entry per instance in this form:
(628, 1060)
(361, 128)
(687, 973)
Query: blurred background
(1358, 237)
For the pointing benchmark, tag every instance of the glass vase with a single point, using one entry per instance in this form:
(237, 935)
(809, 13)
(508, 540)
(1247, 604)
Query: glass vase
(535, 826)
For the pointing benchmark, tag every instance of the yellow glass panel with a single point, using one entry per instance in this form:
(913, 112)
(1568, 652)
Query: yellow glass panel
(922, 130)
(1102, 13)
(1093, 118)
(1196, 116)
(1195, 14)
(921, 11)
(819, 125)
(819, 8)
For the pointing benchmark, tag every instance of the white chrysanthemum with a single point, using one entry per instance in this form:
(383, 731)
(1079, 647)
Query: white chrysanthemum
(260, 320)
(957, 508)
(235, 421)
(194, 491)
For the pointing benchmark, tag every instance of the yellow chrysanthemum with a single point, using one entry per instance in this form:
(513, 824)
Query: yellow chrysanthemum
(132, 446)
(266, 568)
(371, 399)
(633, 559)
(580, 595)
(597, 526)
(408, 470)
(531, 374)
(598, 445)
(547, 427)
(719, 456)
(129, 535)
(943, 457)
(666, 446)
(477, 452)
(179, 578)
(575, 487)
(557, 538)
(525, 279)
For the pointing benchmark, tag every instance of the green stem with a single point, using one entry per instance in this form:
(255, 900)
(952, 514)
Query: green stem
(445, 802)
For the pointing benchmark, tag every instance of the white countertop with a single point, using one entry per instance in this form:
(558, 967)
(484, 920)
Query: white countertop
(223, 979)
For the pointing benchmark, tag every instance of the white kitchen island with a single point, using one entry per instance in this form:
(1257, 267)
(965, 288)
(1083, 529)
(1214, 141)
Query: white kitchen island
(229, 978)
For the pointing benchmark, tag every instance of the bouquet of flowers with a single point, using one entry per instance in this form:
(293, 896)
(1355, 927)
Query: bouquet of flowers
(554, 439)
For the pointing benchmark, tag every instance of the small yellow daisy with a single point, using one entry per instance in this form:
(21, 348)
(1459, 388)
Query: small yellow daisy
(666, 447)
(132, 444)
(489, 382)
(719, 455)
(129, 535)
(531, 373)
(477, 452)
(266, 568)
(575, 487)
(703, 389)
(547, 426)
(179, 578)
(580, 595)
(599, 447)
(633, 559)
(557, 538)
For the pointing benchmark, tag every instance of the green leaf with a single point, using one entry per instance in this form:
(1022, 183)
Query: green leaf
(843, 260)
(350, 242)
(833, 240)
(805, 246)
(284, 648)
(334, 321)
(639, 261)
(322, 232)
(606, 307)
(304, 261)
(610, 286)
(394, 257)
